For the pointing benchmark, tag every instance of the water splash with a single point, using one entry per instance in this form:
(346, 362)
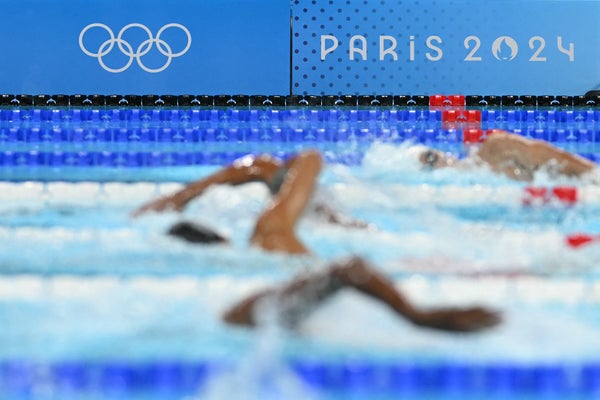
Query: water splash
(260, 374)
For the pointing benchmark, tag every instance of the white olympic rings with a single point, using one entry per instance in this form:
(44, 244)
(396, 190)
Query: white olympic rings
(127, 49)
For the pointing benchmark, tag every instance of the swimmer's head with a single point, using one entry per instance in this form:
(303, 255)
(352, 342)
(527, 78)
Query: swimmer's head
(431, 158)
(195, 233)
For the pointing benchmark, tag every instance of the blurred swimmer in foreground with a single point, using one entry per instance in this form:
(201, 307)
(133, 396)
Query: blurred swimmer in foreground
(514, 156)
(294, 300)
(275, 231)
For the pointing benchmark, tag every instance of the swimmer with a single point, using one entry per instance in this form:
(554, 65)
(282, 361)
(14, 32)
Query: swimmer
(296, 299)
(515, 156)
(292, 183)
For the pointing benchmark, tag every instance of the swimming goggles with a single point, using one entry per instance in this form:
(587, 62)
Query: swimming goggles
(430, 158)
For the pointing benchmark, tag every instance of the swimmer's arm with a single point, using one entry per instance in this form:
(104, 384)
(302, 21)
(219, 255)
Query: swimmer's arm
(366, 279)
(457, 319)
(336, 218)
(302, 295)
(324, 209)
(568, 163)
(275, 227)
(506, 152)
(243, 170)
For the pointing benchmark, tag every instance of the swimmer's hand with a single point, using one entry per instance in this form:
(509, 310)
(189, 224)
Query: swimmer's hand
(458, 319)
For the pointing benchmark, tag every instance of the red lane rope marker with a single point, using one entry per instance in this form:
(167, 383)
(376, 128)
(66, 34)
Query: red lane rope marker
(461, 119)
(473, 135)
(456, 116)
(577, 240)
(453, 101)
(540, 195)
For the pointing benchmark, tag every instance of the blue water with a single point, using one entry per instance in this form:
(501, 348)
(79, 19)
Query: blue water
(83, 284)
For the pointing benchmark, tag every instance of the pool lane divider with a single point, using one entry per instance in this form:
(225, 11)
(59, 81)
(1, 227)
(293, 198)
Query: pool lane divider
(578, 240)
(50, 101)
(106, 377)
(525, 196)
(544, 195)
(561, 195)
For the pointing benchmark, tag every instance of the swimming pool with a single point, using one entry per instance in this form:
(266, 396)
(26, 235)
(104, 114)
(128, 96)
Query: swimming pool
(99, 304)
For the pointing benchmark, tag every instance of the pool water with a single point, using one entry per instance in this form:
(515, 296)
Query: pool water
(100, 305)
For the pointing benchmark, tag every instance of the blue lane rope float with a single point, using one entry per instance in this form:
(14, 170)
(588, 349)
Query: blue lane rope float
(421, 132)
(106, 116)
(233, 134)
(352, 376)
(141, 147)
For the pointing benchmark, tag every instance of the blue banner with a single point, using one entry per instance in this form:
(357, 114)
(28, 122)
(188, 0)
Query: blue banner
(145, 46)
(352, 47)
(427, 47)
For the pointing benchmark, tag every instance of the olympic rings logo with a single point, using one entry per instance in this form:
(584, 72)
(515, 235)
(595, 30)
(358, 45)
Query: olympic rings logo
(127, 49)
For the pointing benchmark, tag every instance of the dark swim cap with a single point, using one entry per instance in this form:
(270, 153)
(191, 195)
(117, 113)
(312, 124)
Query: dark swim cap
(276, 181)
(195, 233)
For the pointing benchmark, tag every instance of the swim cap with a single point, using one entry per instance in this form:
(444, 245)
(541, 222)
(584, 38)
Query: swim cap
(195, 233)
(274, 184)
